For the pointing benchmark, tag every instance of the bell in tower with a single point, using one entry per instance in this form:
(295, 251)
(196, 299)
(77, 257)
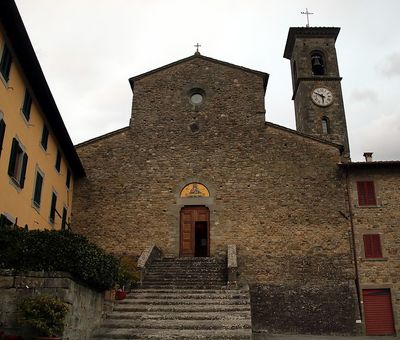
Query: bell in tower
(317, 91)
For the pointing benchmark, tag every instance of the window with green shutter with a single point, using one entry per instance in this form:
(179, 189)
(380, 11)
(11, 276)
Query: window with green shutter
(45, 137)
(58, 161)
(2, 133)
(38, 189)
(5, 63)
(53, 207)
(68, 181)
(26, 107)
(18, 163)
(64, 219)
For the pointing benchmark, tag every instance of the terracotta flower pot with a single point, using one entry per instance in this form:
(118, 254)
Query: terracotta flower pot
(120, 295)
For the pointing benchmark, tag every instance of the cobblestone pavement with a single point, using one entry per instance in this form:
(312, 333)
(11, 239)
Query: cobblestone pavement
(261, 336)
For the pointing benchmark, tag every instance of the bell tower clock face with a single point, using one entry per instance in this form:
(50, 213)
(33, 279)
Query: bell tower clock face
(322, 96)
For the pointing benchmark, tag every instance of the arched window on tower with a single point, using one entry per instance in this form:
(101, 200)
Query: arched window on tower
(317, 64)
(325, 125)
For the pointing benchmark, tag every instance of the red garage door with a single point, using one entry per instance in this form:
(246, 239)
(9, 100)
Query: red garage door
(378, 312)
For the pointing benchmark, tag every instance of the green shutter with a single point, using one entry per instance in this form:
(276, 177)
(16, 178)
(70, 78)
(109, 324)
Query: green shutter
(58, 161)
(13, 157)
(5, 64)
(38, 189)
(64, 219)
(26, 108)
(68, 181)
(45, 137)
(23, 170)
(2, 133)
(53, 207)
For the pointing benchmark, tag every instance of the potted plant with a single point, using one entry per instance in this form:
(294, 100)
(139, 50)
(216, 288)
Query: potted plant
(125, 277)
(123, 281)
(45, 314)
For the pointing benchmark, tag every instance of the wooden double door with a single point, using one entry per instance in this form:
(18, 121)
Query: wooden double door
(195, 231)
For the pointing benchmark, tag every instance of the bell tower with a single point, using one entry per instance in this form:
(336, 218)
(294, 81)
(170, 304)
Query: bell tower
(317, 91)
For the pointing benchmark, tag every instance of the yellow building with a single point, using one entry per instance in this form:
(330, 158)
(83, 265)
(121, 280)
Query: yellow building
(38, 162)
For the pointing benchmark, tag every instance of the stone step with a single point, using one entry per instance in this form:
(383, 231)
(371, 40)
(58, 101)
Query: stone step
(183, 274)
(186, 281)
(181, 286)
(180, 308)
(181, 298)
(167, 334)
(188, 295)
(180, 315)
(176, 324)
(183, 301)
(190, 291)
(188, 265)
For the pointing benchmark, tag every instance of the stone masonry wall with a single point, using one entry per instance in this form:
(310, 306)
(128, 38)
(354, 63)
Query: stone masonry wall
(383, 219)
(279, 196)
(86, 305)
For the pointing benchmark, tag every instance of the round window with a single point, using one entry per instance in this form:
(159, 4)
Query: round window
(196, 98)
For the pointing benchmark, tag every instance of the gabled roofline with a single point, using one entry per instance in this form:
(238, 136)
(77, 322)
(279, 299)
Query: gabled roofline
(21, 46)
(263, 75)
(307, 32)
(106, 135)
(316, 139)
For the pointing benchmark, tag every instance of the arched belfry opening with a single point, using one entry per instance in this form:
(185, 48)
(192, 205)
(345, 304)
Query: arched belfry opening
(317, 63)
(194, 221)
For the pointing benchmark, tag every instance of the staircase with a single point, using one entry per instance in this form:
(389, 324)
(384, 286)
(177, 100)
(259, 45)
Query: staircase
(181, 298)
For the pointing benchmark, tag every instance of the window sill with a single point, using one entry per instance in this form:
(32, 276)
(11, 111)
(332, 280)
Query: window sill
(5, 83)
(368, 206)
(36, 206)
(15, 184)
(43, 149)
(26, 120)
(374, 259)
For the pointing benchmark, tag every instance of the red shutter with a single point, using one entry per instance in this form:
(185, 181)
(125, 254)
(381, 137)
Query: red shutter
(372, 246)
(378, 312)
(366, 193)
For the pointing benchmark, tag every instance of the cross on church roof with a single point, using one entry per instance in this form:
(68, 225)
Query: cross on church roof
(197, 48)
(307, 13)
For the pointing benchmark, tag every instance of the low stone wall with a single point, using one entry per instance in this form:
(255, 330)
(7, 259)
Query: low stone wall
(305, 309)
(86, 305)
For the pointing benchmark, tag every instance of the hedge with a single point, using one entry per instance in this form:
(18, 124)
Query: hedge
(49, 250)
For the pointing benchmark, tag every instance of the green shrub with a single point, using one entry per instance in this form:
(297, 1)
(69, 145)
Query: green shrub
(128, 272)
(58, 251)
(46, 314)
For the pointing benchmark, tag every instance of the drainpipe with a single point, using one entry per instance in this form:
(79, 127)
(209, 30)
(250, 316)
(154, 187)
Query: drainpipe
(353, 242)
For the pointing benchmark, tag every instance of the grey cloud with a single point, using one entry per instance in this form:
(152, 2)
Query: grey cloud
(364, 94)
(390, 66)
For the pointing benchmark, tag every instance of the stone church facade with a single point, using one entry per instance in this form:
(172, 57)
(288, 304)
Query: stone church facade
(199, 169)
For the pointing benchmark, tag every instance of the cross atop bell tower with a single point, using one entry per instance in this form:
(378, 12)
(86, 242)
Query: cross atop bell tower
(317, 91)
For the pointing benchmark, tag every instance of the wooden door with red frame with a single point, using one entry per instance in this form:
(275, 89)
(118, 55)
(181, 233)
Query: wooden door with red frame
(195, 231)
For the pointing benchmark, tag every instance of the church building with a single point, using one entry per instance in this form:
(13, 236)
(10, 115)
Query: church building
(199, 169)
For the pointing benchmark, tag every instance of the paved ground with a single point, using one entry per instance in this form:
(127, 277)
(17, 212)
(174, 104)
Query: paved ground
(318, 337)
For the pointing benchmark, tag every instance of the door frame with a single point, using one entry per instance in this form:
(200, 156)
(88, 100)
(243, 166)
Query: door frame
(194, 207)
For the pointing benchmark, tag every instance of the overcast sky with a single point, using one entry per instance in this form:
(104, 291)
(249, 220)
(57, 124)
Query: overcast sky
(89, 48)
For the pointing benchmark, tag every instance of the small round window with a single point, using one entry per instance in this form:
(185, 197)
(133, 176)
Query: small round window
(196, 98)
